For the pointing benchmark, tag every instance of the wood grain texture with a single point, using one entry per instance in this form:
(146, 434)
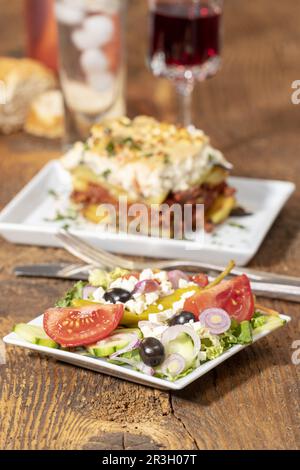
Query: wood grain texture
(253, 400)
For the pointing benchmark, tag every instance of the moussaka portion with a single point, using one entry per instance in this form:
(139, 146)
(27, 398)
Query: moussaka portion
(149, 162)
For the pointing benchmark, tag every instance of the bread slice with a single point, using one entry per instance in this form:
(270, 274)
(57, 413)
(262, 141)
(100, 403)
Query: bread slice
(21, 80)
(45, 117)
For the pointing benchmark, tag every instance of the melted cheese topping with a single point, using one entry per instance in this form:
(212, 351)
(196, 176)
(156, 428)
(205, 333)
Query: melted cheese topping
(145, 158)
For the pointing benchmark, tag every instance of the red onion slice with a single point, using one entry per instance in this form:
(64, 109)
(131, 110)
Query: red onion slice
(175, 276)
(138, 365)
(146, 286)
(134, 342)
(146, 369)
(176, 361)
(171, 333)
(216, 320)
(87, 291)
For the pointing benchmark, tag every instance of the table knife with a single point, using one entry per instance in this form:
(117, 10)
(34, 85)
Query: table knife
(49, 270)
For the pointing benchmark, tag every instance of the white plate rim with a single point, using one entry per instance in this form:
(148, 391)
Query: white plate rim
(129, 374)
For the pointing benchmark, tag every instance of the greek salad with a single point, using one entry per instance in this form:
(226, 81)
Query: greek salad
(162, 323)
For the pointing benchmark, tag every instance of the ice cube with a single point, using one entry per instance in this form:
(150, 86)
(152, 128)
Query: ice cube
(81, 4)
(82, 39)
(101, 81)
(93, 60)
(101, 27)
(67, 14)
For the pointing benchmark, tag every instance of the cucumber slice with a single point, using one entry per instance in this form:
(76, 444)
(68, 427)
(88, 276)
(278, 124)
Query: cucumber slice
(272, 323)
(116, 341)
(184, 346)
(136, 331)
(34, 334)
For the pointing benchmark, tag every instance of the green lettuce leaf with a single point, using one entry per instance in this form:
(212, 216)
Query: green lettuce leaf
(258, 320)
(238, 333)
(212, 347)
(245, 335)
(75, 293)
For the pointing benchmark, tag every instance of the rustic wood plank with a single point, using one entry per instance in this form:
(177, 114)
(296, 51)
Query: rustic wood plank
(252, 401)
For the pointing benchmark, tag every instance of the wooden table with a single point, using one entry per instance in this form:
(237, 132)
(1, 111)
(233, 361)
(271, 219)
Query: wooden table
(252, 401)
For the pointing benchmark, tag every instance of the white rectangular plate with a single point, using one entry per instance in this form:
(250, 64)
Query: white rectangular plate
(27, 219)
(101, 365)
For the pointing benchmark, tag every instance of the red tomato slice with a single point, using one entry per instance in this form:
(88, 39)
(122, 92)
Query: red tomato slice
(201, 279)
(79, 326)
(234, 296)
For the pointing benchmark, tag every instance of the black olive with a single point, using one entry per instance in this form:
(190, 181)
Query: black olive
(117, 295)
(182, 318)
(152, 351)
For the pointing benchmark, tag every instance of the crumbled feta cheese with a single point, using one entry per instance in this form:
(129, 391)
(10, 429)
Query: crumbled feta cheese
(187, 295)
(152, 329)
(98, 294)
(161, 317)
(151, 297)
(136, 306)
(146, 274)
(177, 306)
(123, 283)
(202, 356)
(166, 288)
(182, 283)
(160, 307)
(161, 276)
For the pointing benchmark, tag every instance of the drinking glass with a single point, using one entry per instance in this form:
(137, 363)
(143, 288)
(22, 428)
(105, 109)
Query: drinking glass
(91, 54)
(184, 44)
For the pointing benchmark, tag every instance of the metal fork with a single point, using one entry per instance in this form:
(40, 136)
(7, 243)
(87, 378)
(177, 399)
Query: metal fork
(97, 256)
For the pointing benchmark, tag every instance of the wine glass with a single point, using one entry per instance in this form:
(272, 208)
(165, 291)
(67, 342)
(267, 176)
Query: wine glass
(184, 44)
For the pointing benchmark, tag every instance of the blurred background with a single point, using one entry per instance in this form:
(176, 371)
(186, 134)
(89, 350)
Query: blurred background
(249, 96)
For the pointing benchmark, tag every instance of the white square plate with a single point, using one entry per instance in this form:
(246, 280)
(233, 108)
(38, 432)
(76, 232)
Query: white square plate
(101, 365)
(27, 219)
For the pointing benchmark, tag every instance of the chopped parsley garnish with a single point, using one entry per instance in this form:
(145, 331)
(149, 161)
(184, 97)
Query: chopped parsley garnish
(110, 148)
(86, 146)
(234, 224)
(131, 143)
(59, 216)
(148, 155)
(106, 173)
(53, 193)
(166, 159)
(127, 140)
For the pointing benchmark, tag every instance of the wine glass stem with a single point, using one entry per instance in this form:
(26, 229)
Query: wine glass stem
(185, 92)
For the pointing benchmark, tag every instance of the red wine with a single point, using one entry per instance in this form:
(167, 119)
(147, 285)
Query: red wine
(186, 35)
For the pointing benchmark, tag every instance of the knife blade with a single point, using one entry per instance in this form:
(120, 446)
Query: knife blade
(50, 271)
